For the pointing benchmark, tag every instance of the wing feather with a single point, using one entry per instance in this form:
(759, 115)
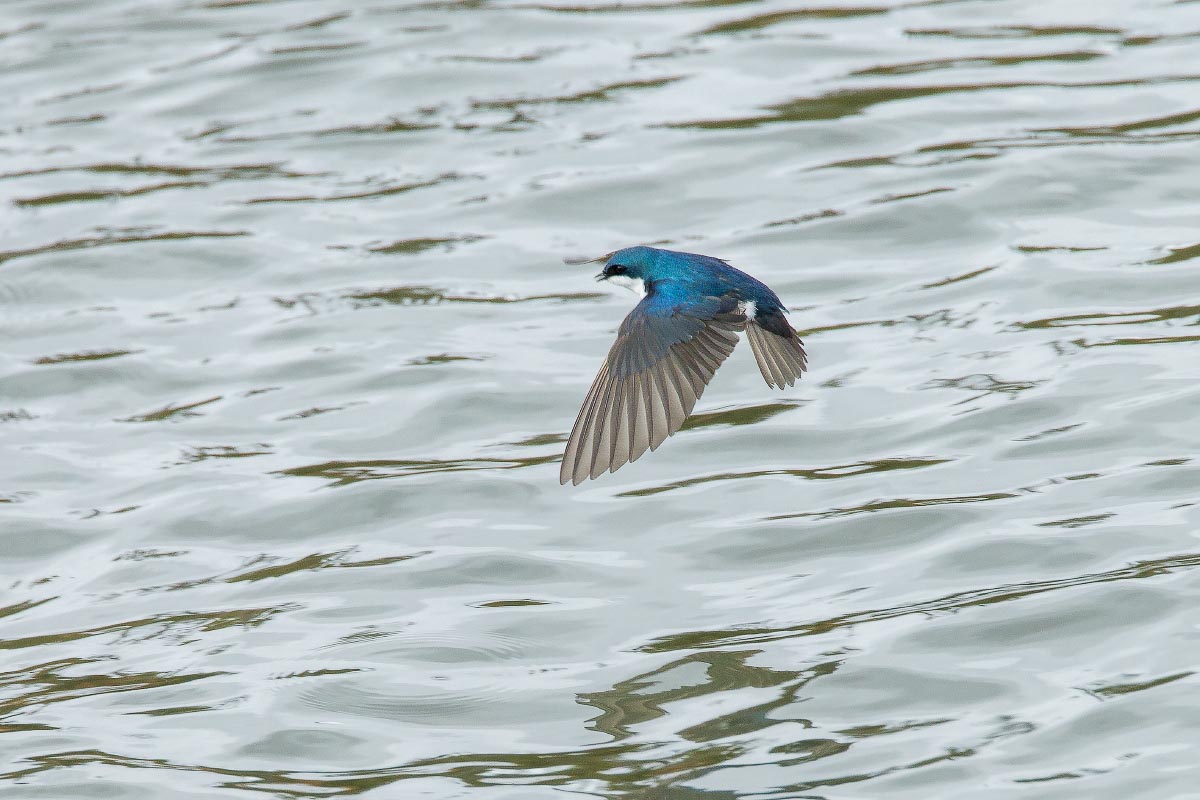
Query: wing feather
(649, 383)
(770, 357)
(621, 440)
(658, 406)
(640, 434)
(781, 359)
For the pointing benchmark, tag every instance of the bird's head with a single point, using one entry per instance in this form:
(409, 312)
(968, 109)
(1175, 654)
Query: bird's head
(631, 265)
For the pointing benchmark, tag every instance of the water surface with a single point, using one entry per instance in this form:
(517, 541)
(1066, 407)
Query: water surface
(290, 355)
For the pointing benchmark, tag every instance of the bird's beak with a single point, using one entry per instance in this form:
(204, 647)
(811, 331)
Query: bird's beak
(601, 277)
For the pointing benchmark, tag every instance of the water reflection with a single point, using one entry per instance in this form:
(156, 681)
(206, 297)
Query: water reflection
(955, 602)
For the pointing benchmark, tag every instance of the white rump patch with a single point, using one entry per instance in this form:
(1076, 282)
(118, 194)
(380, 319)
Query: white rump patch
(634, 284)
(750, 309)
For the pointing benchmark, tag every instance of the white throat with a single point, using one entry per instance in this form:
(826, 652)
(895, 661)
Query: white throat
(633, 284)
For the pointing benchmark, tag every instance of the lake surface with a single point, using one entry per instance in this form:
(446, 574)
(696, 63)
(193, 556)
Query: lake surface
(290, 354)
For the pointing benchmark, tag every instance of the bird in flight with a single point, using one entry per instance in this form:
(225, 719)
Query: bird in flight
(667, 350)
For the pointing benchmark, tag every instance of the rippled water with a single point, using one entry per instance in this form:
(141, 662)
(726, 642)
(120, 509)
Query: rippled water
(290, 354)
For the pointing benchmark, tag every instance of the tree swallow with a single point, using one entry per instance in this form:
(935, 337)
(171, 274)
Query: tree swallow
(667, 350)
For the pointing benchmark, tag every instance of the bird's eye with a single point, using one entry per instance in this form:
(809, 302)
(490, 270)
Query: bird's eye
(616, 269)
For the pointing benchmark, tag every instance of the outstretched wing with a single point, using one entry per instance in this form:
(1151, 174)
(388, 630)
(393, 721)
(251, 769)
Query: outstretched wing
(777, 349)
(665, 354)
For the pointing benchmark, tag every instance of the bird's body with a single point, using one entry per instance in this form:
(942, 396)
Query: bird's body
(667, 350)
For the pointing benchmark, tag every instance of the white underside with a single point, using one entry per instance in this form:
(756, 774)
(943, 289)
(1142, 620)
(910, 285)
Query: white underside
(750, 309)
(633, 284)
